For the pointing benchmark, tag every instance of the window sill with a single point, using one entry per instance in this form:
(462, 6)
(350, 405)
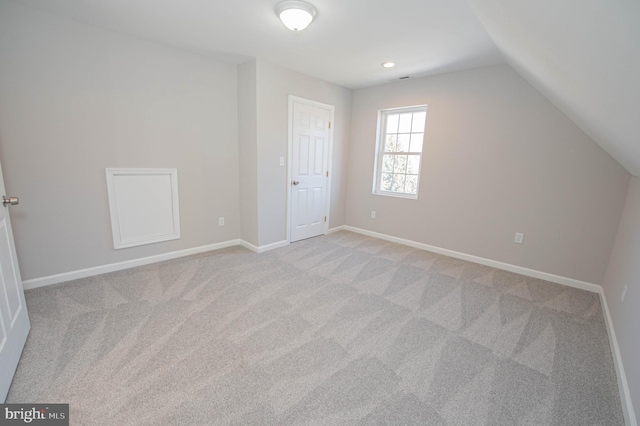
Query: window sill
(396, 195)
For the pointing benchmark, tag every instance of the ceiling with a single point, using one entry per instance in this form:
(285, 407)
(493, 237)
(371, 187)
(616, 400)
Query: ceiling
(345, 45)
(583, 55)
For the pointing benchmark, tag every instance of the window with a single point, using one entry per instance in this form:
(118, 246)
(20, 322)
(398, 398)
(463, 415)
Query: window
(399, 151)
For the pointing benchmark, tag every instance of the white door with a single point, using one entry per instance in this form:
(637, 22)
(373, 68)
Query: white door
(14, 322)
(309, 170)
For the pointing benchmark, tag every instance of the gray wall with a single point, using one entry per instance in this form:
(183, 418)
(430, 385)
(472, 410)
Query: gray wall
(274, 84)
(74, 100)
(499, 158)
(624, 270)
(248, 151)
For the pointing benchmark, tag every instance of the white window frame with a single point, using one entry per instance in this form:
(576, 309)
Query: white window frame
(380, 136)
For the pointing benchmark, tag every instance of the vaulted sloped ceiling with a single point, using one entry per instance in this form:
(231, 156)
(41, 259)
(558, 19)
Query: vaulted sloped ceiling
(584, 55)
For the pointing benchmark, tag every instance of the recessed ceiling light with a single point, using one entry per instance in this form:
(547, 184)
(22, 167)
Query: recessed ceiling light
(296, 15)
(388, 64)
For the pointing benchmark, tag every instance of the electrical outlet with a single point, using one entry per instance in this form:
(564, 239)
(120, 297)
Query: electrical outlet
(373, 214)
(221, 221)
(519, 238)
(624, 293)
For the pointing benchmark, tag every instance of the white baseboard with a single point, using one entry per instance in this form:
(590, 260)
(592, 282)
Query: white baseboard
(262, 249)
(97, 270)
(625, 396)
(594, 288)
(103, 269)
(627, 405)
(112, 267)
(249, 246)
(272, 246)
(623, 385)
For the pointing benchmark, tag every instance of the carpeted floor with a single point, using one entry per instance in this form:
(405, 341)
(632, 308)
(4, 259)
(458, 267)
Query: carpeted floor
(339, 329)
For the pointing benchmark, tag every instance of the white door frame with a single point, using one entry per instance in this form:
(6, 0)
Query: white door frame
(332, 110)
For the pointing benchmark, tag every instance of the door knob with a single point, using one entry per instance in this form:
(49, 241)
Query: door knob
(6, 201)
(295, 182)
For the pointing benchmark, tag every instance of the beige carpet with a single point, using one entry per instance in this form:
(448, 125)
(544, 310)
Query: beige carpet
(339, 329)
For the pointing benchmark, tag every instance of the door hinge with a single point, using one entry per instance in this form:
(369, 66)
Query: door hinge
(329, 124)
(325, 218)
(327, 173)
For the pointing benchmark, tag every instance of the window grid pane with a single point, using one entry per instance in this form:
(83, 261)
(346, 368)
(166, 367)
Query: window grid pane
(402, 148)
(419, 120)
(409, 135)
(416, 142)
(392, 123)
(405, 123)
(400, 173)
(413, 164)
(390, 142)
(403, 142)
(387, 163)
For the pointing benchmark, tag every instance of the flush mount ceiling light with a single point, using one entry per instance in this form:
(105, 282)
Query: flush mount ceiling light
(388, 64)
(295, 15)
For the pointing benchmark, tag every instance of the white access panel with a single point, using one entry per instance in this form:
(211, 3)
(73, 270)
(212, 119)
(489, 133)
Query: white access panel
(144, 206)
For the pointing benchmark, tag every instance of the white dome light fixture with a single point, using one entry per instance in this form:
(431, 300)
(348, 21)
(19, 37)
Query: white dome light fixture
(296, 15)
(389, 64)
